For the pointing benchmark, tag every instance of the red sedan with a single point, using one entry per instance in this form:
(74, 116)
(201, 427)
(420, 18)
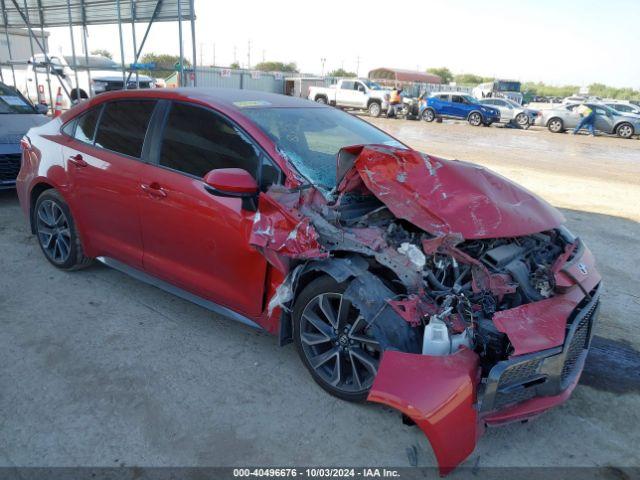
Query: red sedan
(434, 286)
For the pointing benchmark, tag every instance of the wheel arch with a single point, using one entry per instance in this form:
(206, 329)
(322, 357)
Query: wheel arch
(622, 122)
(475, 111)
(36, 191)
(342, 266)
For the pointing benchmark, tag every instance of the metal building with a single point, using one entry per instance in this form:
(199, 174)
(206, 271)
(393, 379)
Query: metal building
(20, 46)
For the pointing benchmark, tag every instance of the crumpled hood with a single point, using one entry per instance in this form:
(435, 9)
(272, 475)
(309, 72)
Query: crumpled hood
(444, 196)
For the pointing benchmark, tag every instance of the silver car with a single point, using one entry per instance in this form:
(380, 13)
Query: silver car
(608, 120)
(511, 111)
(625, 108)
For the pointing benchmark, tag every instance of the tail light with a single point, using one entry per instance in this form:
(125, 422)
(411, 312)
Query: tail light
(25, 143)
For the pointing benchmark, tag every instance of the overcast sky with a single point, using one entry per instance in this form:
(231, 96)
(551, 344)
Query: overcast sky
(558, 42)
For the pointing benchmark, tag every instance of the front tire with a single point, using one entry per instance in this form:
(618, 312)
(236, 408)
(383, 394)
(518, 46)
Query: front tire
(56, 232)
(322, 100)
(429, 115)
(522, 119)
(555, 125)
(375, 109)
(333, 340)
(475, 119)
(624, 130)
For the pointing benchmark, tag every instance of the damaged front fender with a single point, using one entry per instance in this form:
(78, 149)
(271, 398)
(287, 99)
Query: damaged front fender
(438, 393)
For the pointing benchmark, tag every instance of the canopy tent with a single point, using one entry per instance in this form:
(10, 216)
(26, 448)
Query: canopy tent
(62, 13)
(40, 14)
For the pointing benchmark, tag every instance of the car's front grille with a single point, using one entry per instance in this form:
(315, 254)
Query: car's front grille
(544, 373)
(9, 167)
(512, 387)
(577, 344)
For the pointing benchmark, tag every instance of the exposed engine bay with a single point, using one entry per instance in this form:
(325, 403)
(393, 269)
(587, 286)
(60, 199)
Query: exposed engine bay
(446, 288)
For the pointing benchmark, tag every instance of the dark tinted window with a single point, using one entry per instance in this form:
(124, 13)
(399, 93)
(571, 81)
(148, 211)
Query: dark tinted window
(86, 125)
(347, 85)
(123, 126)
(197, 140)
(70, 127)
(457, 99)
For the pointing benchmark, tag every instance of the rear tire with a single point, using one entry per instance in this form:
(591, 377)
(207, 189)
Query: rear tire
(625, 130)
(333, 345)
(475, 119)
(374, 109)
(322, 100)
(429, 115)
(555, 125)
(57, 234)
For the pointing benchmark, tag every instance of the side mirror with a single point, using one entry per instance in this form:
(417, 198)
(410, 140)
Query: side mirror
(42, 108)
(232, 182)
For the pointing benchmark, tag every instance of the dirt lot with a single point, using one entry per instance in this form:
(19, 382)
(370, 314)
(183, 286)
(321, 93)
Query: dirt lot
(98, 369)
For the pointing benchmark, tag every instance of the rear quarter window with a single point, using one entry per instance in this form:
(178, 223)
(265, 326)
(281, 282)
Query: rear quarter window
(86, 125)
(123, 126)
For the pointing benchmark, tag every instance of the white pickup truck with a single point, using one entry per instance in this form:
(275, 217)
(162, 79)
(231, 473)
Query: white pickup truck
(356, 93)
(105, 76)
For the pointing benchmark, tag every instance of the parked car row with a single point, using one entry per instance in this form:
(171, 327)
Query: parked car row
(614, 117)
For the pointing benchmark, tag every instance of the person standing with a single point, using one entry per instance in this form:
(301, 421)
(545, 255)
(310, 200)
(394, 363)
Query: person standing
(588, 117)
(395, 100)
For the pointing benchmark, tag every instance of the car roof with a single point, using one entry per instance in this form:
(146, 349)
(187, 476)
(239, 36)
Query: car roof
(231, 98)
(450, 93)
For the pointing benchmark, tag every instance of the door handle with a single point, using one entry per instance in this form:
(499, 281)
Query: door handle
(154, 189)
(78, 161)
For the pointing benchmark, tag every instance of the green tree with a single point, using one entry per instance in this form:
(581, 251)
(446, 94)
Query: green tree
(341, 72)
(235, 66)
(443, 72)
(468, 79)
(276, 67)
(164, 63)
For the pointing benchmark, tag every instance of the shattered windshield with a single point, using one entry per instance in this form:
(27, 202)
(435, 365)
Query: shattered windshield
(312, 137)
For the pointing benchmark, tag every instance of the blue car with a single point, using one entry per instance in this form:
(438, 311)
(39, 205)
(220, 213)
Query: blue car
(458, 105)
(17, 116)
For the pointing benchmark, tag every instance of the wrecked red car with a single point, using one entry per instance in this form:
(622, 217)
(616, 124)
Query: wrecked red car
(434, 286)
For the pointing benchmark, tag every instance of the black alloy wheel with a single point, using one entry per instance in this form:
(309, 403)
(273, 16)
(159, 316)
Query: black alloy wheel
(335, 341)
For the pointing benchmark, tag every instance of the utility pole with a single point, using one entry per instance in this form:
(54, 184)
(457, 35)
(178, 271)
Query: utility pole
(323, 60)
(249, 55)
(214, 54)
(235, 54)
(263, 56)
(358, 66)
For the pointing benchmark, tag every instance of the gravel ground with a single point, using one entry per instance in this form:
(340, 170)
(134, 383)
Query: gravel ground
(98, 369)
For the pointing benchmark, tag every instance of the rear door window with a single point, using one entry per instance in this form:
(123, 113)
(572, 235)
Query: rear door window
(123, 126)
(197, 140)
(86, 125)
